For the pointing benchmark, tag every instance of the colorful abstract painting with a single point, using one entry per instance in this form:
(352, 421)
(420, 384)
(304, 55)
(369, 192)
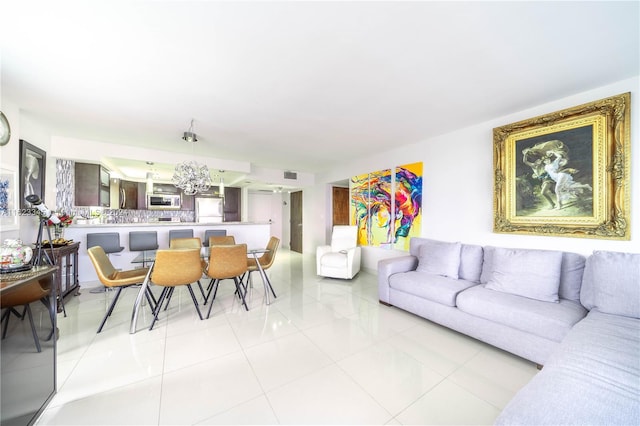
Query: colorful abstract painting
(386, 207)
(371, 207)
(407, 204)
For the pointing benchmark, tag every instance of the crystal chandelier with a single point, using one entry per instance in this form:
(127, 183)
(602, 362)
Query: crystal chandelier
(190, 176)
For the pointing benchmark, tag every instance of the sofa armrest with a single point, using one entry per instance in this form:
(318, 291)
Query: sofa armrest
(321, 251)
(354, 255)
(388, 267)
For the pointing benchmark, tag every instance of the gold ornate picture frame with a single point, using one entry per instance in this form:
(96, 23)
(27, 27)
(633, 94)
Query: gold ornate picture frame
(566, 173)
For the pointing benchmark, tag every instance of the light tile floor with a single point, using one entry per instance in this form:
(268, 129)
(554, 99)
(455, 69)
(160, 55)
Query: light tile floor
(324, 352)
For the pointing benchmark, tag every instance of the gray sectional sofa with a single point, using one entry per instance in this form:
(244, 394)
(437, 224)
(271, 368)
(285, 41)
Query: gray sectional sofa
(577, 316)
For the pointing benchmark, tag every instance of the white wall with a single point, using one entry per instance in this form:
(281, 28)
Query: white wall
(9, 155)
(24, 127)
(269, 207)
(458, 184)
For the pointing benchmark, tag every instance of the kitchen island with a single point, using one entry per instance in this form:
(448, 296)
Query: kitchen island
(255, 235)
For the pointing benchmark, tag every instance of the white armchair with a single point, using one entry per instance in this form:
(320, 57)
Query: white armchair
(342, 258)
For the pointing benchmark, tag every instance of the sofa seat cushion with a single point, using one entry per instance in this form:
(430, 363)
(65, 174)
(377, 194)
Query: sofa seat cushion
(334, 260)
(432, 287)
(545, 319)
(594, 375)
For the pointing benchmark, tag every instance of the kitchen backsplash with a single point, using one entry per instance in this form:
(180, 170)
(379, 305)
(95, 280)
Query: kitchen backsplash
(65, 197)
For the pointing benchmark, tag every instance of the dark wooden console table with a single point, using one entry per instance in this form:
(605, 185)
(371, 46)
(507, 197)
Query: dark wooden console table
(66, 260)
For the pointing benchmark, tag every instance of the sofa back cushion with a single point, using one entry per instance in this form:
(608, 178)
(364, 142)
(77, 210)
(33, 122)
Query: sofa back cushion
(487, 265)
(611, 283)
(439, 258)
(571, 276)
(570, 273)
(529, 273)
(471, 257)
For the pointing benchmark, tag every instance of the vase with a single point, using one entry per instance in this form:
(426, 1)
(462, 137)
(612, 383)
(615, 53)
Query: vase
(14, 253)
(58, 232)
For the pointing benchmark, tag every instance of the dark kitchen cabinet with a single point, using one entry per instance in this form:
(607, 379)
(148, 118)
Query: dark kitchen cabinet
(132, 195)
(165, 188)
(92, 185)
(232, 204)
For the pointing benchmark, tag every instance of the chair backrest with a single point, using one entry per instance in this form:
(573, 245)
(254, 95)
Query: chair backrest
(213, 232)
(102, 264)
(226, 240)
(267, 259)
(109, 241)
(344, 237)
(227, 261)
(180, 233)
(176, 267)
(185, 243)
(143, 240)
(24, 294)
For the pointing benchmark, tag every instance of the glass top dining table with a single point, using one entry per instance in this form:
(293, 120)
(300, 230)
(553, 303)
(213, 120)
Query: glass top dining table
(149, 256)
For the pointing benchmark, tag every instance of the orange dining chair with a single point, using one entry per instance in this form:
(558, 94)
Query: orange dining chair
(24, 296)
(266, 260)
(188, 243)
(110, 277)
(226, 262)
(176, 267)
(221, 240)
(213, 232)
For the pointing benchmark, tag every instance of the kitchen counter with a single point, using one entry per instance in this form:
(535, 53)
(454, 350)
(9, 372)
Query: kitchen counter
(254, 234)
(161, 223)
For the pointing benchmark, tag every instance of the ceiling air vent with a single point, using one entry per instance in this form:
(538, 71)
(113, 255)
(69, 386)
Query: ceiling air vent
(290, 175)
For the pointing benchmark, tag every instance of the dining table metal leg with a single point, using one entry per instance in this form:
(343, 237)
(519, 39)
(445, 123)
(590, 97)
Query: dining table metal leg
(139, 299)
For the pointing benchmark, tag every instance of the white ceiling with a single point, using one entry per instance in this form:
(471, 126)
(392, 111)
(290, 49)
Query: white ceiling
(300, 85)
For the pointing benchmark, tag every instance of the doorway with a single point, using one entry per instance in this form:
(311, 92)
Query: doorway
(296, 221)
(340, 205)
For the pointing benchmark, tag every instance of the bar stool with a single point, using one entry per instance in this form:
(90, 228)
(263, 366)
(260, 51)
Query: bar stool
(180, 233)
(109, 241)
(143, 241)
(213, 233)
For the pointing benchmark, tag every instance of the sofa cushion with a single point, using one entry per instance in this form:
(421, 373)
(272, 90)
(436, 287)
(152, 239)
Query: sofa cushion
(470, 262)
(611, 283)
(529, 273)
(571, 276)
(549, 320)
(334, 260)
(439, 258)
(592, 378)
(432, 287)
(487, 264)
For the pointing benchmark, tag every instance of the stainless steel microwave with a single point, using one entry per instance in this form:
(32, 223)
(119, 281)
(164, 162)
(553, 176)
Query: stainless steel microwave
(163, 201)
